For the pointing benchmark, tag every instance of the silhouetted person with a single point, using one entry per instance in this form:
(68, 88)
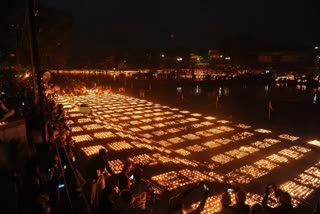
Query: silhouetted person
(240, 207)
(317, 208)
(107, 201)
(177, 202)
(7, 112)
(284, 202)
(124, 177)
(125, 204)
(139, 189)
(96, 168)
(225, 203)
(257, 209)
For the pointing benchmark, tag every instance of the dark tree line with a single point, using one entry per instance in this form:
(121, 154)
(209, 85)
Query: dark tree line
(54, 31)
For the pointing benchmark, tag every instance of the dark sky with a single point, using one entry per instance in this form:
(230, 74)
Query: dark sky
(122, 24)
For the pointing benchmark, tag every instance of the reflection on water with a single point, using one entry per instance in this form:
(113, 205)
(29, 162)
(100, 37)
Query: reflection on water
(202, 90)
(198, 90)
(226, 91)
(301, 87)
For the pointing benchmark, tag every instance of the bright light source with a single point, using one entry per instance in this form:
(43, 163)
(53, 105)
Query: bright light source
(314, 142)
(27, 75)
(267, 71)
(221, 56)
(179, 59)
(227, 58)
(162, 55)
(316, 47)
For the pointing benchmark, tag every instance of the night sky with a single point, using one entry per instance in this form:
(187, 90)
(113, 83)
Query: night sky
(130, 24)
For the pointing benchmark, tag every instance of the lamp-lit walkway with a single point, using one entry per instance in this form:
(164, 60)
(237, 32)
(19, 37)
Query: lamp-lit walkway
(178, 148)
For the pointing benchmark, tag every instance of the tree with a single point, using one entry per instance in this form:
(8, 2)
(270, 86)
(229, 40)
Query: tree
(54, 27)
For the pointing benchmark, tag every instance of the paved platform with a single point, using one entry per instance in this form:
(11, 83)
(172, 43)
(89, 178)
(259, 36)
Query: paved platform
(179, 148)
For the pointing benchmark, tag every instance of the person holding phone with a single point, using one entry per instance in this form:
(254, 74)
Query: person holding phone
(96, 169)
(125, 178)
(284, 200)
(177, 202)
(139, 189)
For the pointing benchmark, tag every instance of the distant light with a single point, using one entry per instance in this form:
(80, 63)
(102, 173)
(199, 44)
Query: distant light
(316, 47)
(227, 58)
(162, 55)
(267, 71)
(114, 69)
(221, 56)
(179, 59)
(27, 75)
(12, 55)
(318, 57)
(314, 142)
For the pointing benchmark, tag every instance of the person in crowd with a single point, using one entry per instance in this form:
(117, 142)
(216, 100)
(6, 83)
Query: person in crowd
(108, 201)
(177, 202)
(41, 204)
(225, 203)
(317, 207)
(240, 207)
(31, 185)
(7, 112)
(96, 169)
(284, 201)
(141, 189)
(73, 175)
(124, 181)
(257, 209)
(125, 204)
(53, 178)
